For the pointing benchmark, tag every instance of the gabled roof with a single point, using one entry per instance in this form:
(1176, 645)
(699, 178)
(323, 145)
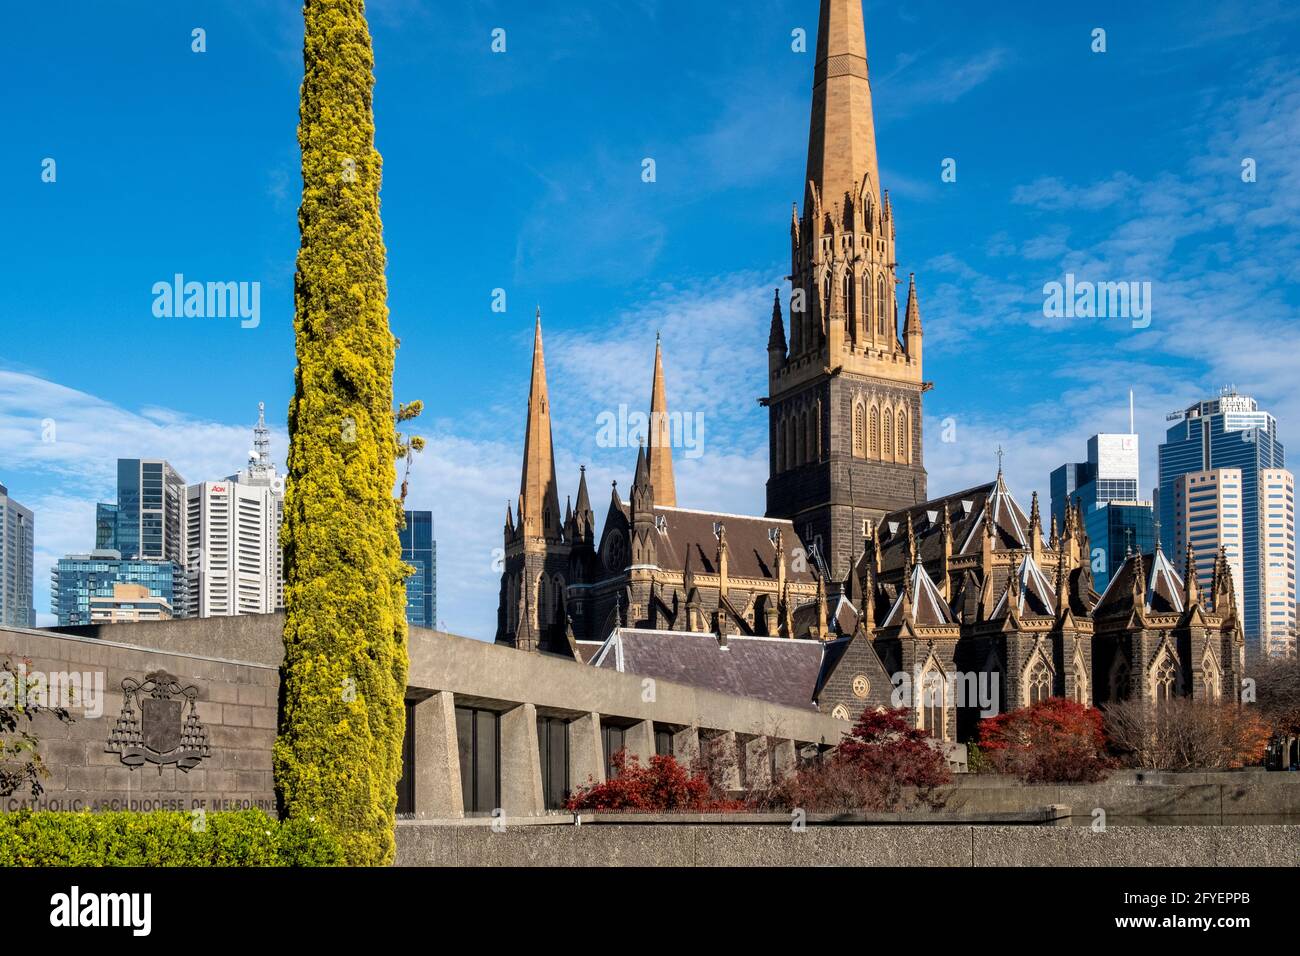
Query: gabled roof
(928, 607)
(750, 553)
(1010, 523)
(1162, 586)
(1036, 596)
(776, 669)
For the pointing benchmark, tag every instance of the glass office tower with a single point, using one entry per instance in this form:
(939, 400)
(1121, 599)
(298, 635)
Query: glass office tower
(148, 519)
(17, 547)
(1225, 432)
(420, 551)
(1106, 486)
(78, 578)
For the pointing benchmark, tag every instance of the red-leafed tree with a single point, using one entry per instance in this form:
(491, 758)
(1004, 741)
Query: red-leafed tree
(1051, 741)
(665, 785)
(882, 764)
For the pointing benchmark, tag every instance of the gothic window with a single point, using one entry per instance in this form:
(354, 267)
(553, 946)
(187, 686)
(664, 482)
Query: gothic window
(880, 306)
(792, 454)
(810, 435)
(933, 705)
(903, 437)
(780, 446)
(1119, 678)
(887, 445)
(558, 603)
(1210, 678)
(859, 433)
(1080, 681)
(1164, 679)
(543, 615)
(1038, 681)
(874, 447)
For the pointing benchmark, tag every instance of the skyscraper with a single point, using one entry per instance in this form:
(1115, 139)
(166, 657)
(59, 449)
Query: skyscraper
(1106, 486)
(78, 580)
(148, 519)
(1207, 509)
(234, 562)
(17, 545)
(420, 551)
(1226, 432)
(1277, 561)
(844, 393)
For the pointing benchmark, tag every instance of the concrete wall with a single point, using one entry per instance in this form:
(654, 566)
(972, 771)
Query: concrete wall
(421, 844)
(233, 663)
(236, 704)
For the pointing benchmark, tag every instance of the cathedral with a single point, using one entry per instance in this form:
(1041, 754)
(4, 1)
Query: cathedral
(856, 589)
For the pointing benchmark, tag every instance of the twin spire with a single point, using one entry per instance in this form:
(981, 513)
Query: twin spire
(539, 500)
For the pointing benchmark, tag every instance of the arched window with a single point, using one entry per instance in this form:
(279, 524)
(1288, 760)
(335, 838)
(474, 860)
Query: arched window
(780, 445)
(887, 444)
(810, 435)
(859, 432)
(874, 432)
(1164, 679)
(902, 437)
(1038, 681)
(542, 615)
(881, 322)
(1210, 677)
(1119, 678)
(796, 439)
(933, 704)
(1080, 680)
(558, 604)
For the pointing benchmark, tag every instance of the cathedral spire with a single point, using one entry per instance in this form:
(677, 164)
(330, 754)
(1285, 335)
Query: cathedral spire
(842, 136)
(539, 499)
(660, 452)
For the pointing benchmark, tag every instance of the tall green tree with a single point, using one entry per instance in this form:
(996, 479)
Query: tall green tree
(338, 752)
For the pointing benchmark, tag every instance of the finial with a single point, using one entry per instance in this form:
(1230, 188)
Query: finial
(999, 461)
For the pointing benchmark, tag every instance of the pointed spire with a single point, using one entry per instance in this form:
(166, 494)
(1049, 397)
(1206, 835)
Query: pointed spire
(1191, 586)
(660, 457)
(913, 324)
(841, 135)
(539, 501)
(776, 337)
(1055, 538)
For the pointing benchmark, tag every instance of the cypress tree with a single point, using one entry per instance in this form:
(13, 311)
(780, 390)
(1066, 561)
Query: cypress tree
(338, 752)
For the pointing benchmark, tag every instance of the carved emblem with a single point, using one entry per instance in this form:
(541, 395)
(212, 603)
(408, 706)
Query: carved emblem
(840, 712)
(155, 725)
(861, 686)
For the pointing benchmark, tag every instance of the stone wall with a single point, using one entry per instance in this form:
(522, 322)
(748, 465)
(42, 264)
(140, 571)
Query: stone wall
(235, 703)
(629, 844)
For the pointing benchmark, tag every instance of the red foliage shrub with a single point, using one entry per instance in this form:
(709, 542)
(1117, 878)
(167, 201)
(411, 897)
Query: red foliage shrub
(882, 764)
(665, 785)
(1051, 741)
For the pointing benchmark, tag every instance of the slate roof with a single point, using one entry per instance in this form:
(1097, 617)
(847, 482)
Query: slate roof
(750, 551)
(776, 669)
(1162, 586)
(927, 607)
(1036, 595)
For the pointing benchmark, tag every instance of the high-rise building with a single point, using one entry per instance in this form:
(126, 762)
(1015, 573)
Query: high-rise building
(17, 546)
(148, 519)
(845, 390)
(1277, 561)
(1230, 431)
(78, 579)
(420, 551)
(128, 603)
(1207, 510)
(1106, 486)
(233, 558)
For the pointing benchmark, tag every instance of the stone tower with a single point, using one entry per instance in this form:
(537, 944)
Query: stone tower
(531, 613)
(844, 393)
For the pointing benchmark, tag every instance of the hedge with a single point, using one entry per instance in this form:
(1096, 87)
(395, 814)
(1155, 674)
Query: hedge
(163, 838)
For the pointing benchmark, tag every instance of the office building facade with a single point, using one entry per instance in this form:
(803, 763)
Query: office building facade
(1106, 487)
(78, 579)
(232, 549)
(420, 551)
(1227, 432)
(1207, 516)
(1277, 562)
(17, 549)
(148, 519)
(128, 603)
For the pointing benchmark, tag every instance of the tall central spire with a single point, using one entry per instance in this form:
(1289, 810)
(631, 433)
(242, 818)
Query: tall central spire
(842, 135)
(660, 453)
(539, 496)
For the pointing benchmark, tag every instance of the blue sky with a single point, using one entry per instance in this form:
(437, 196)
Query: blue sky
(522, 171)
